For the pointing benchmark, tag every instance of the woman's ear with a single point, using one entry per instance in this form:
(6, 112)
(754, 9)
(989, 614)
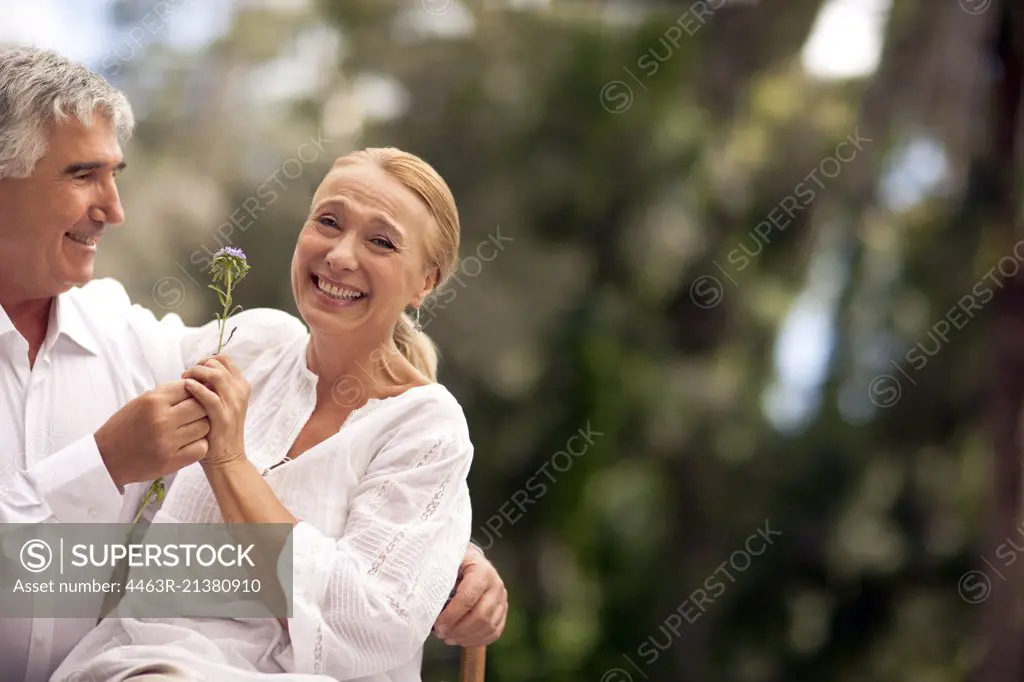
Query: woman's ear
(429, 282)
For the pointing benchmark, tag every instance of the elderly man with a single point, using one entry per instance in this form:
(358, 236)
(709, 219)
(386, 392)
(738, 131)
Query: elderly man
(87, 416)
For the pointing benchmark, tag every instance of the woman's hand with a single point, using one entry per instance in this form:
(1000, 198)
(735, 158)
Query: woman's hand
(219, 386)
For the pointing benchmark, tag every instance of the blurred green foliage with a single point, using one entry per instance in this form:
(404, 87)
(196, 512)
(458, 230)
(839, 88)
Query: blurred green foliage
(620, 164)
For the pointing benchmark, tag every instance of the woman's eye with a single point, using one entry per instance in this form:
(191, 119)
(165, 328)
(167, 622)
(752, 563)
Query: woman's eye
(384, 243)
(328, 221)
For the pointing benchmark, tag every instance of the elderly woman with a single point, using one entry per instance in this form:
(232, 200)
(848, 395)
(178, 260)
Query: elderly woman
(342, 432)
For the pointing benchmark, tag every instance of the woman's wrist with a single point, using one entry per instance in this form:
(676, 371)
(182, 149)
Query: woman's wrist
(226, 467)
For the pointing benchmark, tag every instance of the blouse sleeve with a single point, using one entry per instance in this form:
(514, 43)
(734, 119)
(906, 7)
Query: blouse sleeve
(365, 603)
(170, 347)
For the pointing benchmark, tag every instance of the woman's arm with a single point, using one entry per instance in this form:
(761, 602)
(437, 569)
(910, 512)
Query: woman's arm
(245, 499)
(244, 495)
(363, 603)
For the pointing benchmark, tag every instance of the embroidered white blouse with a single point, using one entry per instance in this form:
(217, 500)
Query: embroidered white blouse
(385, 522)
(100, 352)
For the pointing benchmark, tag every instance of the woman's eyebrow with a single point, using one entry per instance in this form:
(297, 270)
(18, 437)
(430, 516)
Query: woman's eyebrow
(378, 218)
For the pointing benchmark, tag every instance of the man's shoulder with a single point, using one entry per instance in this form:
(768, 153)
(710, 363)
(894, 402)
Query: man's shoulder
(102, 292)
(103, 304)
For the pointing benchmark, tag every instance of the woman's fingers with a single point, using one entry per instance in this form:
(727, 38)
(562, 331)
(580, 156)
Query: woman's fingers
(215, 377)
(240, 384)
(198, 372)
(205, 397)
(229, 365)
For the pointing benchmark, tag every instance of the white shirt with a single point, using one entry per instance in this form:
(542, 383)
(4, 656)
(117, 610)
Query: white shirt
(385, 522)
(99, 353)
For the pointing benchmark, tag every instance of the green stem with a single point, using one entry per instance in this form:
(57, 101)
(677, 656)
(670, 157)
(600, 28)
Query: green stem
(145, 503)
(227, 307)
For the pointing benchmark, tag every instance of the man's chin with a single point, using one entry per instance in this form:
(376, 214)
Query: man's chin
(77, 279)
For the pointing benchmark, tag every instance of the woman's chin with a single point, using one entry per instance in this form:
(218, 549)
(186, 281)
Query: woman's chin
(328, 318)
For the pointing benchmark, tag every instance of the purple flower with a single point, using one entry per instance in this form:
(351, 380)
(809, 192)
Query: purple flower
(229, 264)
(231, 251)
(228, 267)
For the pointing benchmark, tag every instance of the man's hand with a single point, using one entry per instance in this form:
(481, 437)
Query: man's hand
(155, 434)
(476, 615)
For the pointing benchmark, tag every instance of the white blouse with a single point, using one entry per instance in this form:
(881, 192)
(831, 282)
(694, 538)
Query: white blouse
(384, 524)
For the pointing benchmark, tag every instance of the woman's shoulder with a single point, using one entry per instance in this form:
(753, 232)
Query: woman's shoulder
(408, 430)
(424, 409)
(266, 327)
(248, 336)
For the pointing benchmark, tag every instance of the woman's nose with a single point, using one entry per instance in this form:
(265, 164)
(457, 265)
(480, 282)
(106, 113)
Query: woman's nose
(342, 255)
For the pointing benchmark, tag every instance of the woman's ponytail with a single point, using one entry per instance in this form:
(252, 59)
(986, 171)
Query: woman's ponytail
(416, 346)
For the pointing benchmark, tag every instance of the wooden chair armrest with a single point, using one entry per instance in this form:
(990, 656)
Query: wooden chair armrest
(473, 663)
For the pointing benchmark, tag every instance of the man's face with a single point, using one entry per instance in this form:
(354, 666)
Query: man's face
(51, 222)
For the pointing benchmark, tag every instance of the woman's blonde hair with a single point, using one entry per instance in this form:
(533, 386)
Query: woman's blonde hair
(442, 244)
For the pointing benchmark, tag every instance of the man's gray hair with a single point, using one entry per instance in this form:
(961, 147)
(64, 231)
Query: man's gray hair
(41, 87)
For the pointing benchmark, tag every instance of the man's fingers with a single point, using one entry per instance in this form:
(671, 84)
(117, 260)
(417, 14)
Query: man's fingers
(479, 619)
(481, 631)
(192, 453)
(467, 594)
(187, 411)
(173, 392)
(192, 432)
(498, 625)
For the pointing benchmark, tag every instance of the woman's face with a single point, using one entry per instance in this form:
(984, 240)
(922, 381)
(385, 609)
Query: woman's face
(361, 257)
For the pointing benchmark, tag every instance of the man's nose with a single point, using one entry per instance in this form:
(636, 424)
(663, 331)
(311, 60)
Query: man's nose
(107, 208)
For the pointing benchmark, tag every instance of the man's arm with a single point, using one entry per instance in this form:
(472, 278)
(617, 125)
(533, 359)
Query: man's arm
(476, 614)
(72, 484)
(86, 480)
(152, 436)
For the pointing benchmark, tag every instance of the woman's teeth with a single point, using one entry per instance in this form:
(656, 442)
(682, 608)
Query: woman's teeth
(80, 239)
(338, 292)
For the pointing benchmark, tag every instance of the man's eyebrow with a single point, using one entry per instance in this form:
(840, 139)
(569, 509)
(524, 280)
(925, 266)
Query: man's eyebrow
(81, 167)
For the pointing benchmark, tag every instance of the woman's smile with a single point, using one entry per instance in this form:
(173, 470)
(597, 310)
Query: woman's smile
(337, 295)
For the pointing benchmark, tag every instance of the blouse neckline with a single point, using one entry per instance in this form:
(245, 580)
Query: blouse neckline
(370, 405)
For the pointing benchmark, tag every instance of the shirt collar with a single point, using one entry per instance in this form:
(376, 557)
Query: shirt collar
(68, 319)
(6, 326)
(65, 319)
